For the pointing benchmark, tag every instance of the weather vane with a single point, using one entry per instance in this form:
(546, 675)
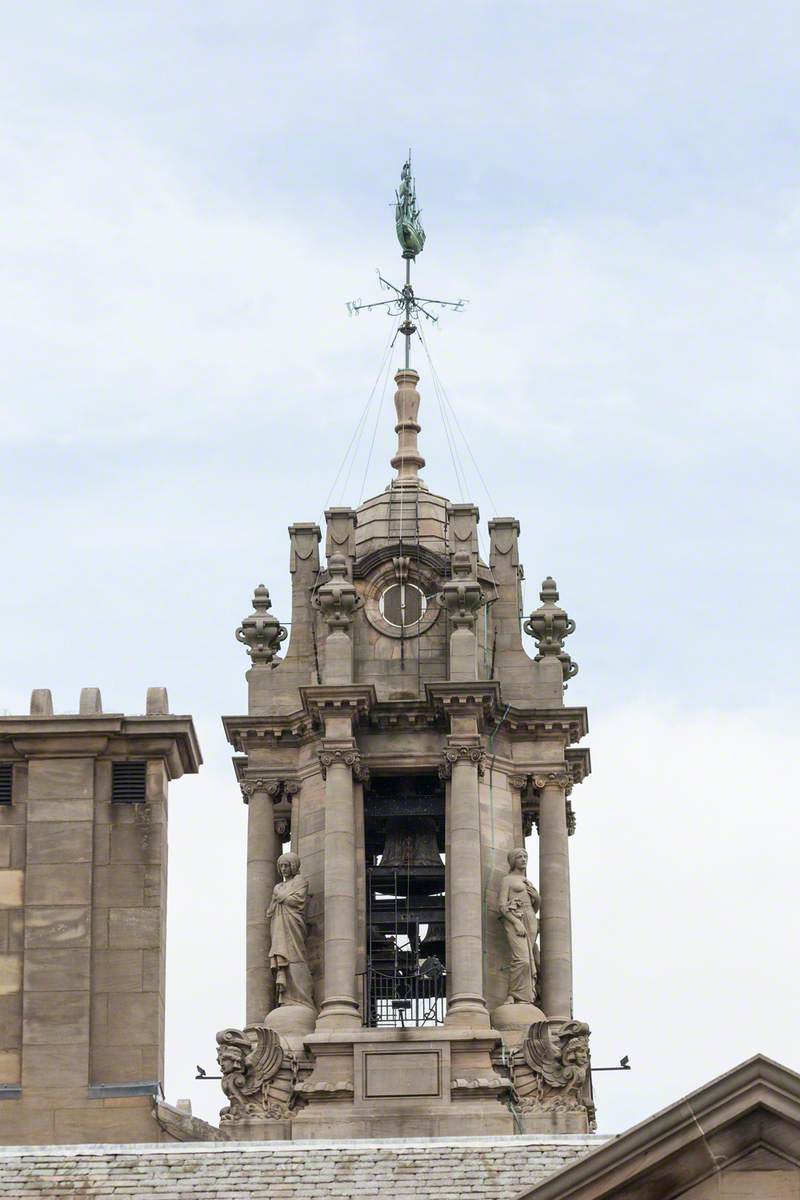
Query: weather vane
(411, 237)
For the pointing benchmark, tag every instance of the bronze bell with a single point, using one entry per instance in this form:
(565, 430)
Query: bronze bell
(433, 943)
(411, 842)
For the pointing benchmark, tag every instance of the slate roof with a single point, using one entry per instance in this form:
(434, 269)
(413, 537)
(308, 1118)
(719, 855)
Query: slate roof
(398, 1169)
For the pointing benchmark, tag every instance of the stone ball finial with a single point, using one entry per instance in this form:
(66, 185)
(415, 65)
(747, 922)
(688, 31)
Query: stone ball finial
(549, 625)
(261, 632)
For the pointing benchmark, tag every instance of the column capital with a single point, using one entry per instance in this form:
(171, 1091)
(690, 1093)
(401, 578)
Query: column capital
(558, 778)
(276, 789)
(345, 756)
(453, 753)
(518, 782)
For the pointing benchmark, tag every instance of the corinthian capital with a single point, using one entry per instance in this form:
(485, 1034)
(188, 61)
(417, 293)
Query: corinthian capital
(452, 754)
(346, 757)
(558, 779)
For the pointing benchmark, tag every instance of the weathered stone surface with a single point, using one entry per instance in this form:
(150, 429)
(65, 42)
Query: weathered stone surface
(11, 888)
(408, 1169)
(54, 778)
(58, 883)
(60, 842)
(10, 973)
(57, 925)
(134, 928)
(55, 1018)
(51, 970)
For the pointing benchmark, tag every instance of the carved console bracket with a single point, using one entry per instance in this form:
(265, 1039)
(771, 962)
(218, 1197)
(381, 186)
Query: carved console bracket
(259, 1074)
(550, 1072)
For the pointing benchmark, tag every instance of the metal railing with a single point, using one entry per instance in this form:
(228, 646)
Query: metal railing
(401, 999)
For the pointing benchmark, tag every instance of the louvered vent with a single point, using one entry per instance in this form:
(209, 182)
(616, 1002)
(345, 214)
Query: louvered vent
(128, 782)
(6, 779)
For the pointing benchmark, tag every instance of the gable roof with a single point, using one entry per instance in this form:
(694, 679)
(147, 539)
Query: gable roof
(756, 1106)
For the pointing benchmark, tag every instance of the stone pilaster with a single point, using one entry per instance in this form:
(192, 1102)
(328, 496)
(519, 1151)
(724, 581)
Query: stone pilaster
(555, 919)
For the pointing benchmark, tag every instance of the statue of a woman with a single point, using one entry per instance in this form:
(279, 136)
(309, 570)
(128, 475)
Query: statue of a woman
(287, 927)
(519, 904)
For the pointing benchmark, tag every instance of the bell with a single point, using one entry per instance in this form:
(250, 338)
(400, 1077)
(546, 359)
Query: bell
(432, 945)
(411, 842)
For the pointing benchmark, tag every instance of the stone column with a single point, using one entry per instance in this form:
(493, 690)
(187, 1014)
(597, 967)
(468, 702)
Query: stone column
(339, 1009)
(263, 850)
(555, 920)
(465, 888)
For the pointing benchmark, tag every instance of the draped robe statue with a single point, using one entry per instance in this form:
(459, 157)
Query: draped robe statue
(519, 904)
(287, 927)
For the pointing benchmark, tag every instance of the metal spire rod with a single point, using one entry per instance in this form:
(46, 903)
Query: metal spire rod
(411, 236)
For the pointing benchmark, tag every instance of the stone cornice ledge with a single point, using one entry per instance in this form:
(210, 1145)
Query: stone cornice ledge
(478, 695)
(570, 724)
(166, 736)
(321, 699)
(290, 729)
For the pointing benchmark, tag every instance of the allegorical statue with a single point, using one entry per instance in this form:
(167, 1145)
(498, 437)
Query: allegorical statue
(287, 927)
(519, 904)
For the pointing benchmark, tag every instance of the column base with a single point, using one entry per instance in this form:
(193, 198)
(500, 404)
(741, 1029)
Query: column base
(467, 1011)
(339, 1012)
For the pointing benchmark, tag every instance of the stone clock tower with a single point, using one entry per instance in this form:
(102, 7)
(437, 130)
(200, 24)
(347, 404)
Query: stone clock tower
(404, 976)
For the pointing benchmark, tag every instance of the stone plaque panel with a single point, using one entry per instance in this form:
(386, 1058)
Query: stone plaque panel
(400, 1074)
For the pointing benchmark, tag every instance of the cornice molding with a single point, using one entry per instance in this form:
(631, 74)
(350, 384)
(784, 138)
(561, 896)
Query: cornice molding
(169, 737)
(291, 729)
(324, 700)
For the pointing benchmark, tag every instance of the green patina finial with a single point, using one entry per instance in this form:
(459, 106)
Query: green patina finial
(410, 233)
(411, 237)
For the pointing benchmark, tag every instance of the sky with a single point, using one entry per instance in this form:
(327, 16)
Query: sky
(190, 193)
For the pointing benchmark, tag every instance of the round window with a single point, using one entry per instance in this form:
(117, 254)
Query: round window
(403, 604)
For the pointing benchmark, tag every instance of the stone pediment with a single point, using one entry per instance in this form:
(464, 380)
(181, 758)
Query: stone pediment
(715, 1142)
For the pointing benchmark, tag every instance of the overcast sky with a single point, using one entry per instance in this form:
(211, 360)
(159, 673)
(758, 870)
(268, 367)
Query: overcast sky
(190, 192)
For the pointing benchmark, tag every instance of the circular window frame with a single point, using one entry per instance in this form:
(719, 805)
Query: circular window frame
(412, 625)
(426, 581)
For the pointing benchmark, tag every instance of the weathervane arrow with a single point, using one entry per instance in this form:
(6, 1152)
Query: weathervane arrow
(411, 237)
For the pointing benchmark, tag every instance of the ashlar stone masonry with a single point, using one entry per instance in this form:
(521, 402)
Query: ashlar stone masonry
(404, 976)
